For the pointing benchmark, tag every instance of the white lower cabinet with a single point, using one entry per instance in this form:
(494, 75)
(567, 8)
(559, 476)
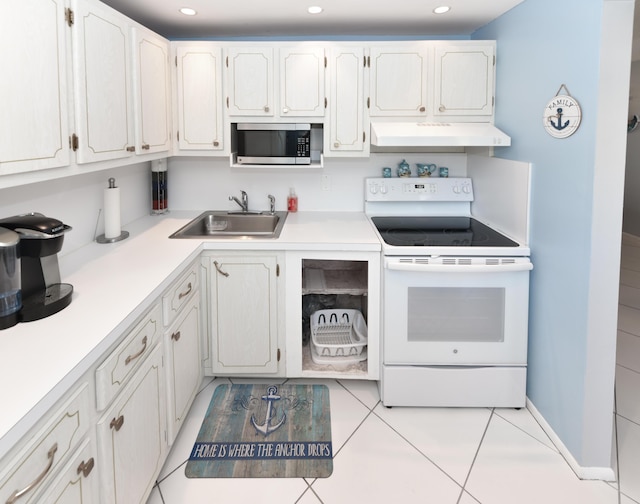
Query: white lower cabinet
(244, 313)
(184, 367)
(27, 475)
(132, 435)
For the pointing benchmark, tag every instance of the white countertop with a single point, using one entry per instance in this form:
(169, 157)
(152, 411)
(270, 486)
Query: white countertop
(113, 285)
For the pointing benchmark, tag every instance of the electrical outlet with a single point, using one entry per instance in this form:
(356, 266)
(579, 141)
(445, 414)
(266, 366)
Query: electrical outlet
(326, 183)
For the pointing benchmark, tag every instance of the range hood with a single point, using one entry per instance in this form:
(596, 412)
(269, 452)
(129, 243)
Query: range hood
(434, 134)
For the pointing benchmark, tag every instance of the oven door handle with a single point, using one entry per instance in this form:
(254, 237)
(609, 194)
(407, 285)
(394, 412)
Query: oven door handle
(459, 268)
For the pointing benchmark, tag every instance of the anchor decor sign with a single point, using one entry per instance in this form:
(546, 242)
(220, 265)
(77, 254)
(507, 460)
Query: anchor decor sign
(562, 115)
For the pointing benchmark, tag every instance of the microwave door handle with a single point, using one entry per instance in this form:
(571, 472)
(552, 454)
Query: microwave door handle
(459, 268)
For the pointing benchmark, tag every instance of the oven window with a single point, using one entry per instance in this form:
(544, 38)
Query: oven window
(448, 314)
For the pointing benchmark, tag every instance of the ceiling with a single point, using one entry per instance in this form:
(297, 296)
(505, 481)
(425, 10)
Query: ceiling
(285, 18)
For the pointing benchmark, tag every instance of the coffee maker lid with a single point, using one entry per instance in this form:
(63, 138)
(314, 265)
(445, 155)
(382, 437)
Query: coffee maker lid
(35, 225)
(8, 238)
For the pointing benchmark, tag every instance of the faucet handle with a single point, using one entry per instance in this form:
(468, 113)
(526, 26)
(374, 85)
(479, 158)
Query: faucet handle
(272, 203)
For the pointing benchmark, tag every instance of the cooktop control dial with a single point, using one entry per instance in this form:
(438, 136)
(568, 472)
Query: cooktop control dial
(419, 189)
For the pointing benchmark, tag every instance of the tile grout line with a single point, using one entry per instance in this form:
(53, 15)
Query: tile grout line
(475, 456)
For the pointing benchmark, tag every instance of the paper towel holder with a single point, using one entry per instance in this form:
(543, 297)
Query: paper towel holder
(124, 234)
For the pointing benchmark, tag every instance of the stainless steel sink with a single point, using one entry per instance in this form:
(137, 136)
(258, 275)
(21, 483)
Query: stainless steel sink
(222, 224)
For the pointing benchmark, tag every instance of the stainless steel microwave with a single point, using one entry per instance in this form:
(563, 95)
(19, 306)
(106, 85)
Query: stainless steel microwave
(268, 143)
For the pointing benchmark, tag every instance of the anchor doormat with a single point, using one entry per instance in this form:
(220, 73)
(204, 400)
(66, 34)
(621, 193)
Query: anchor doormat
(264, 431)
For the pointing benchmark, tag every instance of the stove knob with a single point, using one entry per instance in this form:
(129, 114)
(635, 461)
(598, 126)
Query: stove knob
(466, 189)
(456, 189)
(373, 189)
(384, 189)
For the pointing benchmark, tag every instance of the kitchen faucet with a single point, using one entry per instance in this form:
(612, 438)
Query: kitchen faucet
(244, 204)
(272, 204)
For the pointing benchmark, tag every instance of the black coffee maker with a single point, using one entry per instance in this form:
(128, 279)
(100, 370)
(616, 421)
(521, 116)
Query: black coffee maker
(41, 239)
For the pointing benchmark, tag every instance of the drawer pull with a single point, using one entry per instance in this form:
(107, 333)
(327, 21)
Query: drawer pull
(86, 467)
(187, 292)
(176, 336)
(117, 423)
(135, 356)
(219, 270)
(19, 493)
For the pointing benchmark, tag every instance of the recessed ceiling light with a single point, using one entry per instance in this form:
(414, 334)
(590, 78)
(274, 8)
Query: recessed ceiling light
(188, 11)
(442, 9)
(314, 9)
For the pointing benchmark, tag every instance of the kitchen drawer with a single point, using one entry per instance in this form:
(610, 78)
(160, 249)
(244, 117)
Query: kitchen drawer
(179, 293)
(116, 370)
(77, 482)
(47, 450)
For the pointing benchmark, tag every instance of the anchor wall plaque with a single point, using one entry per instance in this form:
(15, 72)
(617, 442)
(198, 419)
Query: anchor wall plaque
(562, 115)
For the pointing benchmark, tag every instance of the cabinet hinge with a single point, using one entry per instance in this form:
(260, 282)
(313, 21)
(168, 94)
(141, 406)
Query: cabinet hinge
(325, 62)
(178, 135)
(368, 102)
(227, 102)
(278, 355)
(68, 16)
(325, 102)
(494, 60)
(176, 61)
(73, 142)
(369, 61)
(493, 101)
(226, 61)
(364, 136)
(277, 270)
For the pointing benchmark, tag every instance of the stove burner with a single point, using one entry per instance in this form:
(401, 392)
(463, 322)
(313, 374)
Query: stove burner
(439, 231)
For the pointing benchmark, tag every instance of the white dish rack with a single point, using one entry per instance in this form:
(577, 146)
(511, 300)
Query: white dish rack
(338, 336)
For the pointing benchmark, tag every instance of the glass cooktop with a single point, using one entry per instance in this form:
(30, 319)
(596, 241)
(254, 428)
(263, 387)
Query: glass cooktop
(439, 231)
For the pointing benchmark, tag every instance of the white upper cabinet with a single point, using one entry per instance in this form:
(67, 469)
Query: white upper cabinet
(102, 52)
(399, 81)
(302, 82)
(250, 81)
(151, 91)
(254, 81)
(34, 123)
(464, 81)
(199, 97)
(346, 135)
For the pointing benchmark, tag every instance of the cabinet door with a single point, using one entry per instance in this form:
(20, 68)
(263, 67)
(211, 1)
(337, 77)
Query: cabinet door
(152, 95)
(244, 314)
(398, 81)
(34, 123)
(464, 80)
(199, 98)
(302, 82)
(102, 49)
(131, 436)
(250, 81)
(184, 369)
(346, 102)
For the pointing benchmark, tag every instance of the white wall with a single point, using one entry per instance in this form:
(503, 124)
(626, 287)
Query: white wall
(77, 201)
(577, 188)
(207, 183)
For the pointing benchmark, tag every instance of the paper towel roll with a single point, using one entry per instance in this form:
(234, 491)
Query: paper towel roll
(112, 213)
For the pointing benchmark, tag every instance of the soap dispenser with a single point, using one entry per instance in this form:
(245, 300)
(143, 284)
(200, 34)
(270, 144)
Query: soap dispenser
(292, 201)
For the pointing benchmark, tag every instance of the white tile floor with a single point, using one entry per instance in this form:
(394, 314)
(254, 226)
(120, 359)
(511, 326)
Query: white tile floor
(437, 455)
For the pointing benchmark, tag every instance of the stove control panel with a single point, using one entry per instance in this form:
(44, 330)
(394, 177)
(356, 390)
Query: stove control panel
(419, 189)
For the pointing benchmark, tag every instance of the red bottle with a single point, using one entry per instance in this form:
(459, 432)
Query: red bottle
(292, 201)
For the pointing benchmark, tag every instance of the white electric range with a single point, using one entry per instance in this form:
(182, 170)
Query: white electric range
(455, 297)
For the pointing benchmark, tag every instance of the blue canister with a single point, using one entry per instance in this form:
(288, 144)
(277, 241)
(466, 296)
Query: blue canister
(386, 172)
(443, 171)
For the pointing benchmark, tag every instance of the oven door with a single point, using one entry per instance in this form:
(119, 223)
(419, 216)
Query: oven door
(456, 311)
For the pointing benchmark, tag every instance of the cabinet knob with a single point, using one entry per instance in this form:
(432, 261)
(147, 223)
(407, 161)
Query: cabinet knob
(285, 110)
(442, 108)
(336, 144)
(116, 423)
(422, 109)
(216, 143)
(176, 336)
(131, 148)
(266, 108)
(145, 146)
(86, 467)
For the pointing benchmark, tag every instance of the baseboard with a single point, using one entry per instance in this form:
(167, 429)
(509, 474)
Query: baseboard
(585, 473)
